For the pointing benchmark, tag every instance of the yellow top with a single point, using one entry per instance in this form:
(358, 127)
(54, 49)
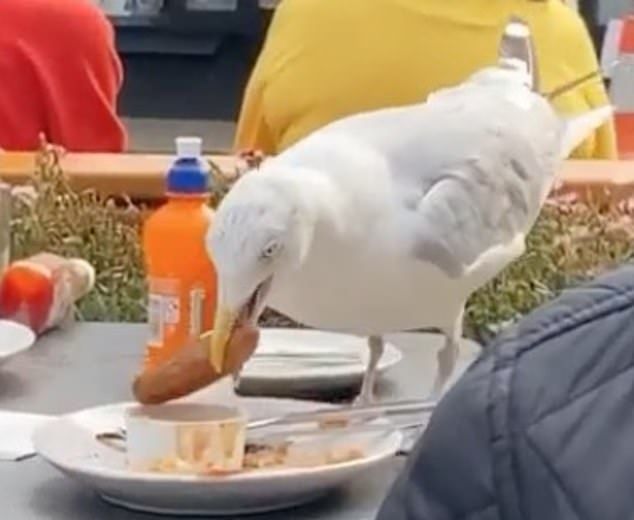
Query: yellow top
(326, 59)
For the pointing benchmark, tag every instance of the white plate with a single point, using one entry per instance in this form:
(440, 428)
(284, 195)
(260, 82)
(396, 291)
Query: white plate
(14, 338)
(68, 443)
(315, 365)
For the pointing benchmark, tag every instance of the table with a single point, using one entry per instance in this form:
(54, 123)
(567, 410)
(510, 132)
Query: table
(92, 364)
(142, 176)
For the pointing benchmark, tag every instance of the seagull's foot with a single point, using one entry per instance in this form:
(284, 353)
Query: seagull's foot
(447, 357)
(364, 398)
(366, 395)
(236, 381)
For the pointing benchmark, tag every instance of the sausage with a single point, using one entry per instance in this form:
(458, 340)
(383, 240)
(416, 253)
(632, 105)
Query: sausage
(190, 370)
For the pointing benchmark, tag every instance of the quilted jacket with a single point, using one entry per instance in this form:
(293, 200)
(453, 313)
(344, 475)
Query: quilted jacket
(541, 426)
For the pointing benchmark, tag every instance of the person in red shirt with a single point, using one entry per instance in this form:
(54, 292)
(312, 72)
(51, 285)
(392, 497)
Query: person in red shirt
(59, 75)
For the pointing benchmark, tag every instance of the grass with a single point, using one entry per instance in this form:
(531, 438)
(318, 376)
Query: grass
(571, 242)
(49, 216)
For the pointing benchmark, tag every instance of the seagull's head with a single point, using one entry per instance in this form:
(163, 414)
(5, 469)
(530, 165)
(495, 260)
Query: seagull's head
(259, 232)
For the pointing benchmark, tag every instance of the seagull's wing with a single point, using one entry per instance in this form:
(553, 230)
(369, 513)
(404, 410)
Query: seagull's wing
(469, 194)
(463, 174)
(468, 170)
(471, 169)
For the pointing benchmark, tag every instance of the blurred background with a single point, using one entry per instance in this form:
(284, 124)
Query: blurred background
(194, 56)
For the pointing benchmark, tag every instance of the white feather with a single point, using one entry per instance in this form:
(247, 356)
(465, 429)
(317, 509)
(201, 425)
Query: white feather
(389, 220)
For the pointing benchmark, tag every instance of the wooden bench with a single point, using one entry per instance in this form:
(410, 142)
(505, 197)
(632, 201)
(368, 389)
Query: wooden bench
(142, 176)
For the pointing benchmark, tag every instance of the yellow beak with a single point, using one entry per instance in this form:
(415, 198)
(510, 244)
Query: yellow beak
(223, 327)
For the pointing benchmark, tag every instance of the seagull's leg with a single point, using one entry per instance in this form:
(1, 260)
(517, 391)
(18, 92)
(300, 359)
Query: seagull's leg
(236, 380)
(447, 357)
(366, 396)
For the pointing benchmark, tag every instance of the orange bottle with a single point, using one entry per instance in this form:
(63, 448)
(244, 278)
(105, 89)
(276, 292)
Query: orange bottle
(181, 277)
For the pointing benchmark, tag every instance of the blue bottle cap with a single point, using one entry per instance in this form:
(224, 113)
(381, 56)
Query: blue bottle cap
(188, 173)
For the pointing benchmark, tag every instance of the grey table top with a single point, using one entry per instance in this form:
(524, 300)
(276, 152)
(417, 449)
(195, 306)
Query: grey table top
(93, 364)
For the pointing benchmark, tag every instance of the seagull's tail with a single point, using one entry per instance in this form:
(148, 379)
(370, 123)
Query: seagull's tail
(578, 128)
(518, 51)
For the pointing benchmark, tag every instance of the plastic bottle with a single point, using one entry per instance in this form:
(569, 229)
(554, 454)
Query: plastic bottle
(181, 277)
(40, 291)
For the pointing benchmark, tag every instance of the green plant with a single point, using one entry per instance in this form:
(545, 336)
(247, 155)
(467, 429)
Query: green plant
(48, 215)
(570, 242)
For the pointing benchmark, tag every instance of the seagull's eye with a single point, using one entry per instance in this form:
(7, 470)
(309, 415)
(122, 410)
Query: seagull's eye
(270, 250)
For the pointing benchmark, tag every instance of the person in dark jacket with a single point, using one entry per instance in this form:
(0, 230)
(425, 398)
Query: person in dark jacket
(541, 426)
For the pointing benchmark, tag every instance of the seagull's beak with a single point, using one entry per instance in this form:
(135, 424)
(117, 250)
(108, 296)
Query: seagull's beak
(224, 322)
(228, 316)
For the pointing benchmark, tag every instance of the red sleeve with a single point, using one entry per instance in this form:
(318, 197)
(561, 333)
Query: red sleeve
(67, 75)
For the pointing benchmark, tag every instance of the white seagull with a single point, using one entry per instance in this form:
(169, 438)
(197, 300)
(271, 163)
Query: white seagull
(387, 221)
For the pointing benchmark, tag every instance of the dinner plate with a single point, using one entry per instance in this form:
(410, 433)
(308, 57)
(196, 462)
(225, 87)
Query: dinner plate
(289, 361)
(14, 338)
(68, 443)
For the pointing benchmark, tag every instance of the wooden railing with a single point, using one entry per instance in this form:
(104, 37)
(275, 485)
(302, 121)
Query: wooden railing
(142, 176)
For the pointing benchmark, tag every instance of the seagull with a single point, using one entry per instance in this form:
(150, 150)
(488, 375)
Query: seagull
(389, 220)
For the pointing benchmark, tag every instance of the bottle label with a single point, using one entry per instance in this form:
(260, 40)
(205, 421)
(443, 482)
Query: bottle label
(196, 309)
(155, 318)
(163, 307)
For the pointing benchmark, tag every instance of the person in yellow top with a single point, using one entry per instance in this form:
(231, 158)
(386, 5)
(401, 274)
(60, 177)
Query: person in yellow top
(326, 59)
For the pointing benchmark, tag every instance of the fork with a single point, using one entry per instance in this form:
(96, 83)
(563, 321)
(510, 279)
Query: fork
(329, 421)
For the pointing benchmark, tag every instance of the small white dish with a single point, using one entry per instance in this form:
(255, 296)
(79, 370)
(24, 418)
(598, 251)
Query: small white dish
(289, 361)
(14, 338)
(199, 435)
(69, 444)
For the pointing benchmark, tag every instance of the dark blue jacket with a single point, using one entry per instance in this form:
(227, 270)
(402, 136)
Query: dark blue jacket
(541, 427)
